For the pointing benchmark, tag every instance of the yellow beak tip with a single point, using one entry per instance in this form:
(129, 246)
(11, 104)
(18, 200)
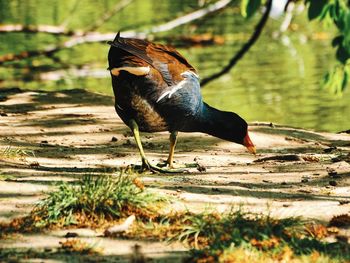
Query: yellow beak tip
(252, 149)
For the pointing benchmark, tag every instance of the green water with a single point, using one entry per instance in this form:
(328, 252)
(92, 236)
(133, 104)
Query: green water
(277, 81)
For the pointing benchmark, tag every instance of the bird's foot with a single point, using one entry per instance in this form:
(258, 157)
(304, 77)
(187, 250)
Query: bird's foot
(146, 166)
(166, 164)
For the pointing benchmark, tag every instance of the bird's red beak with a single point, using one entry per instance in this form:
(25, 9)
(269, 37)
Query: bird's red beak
(249, 144)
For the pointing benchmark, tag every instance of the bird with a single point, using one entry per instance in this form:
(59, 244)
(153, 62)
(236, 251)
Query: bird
(156, 89)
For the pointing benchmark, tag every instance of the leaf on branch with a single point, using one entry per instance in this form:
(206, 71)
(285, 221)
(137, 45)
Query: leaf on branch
(249, 7)
(346, 41)
(342, 53)
(316, 8)
(337, 79)
(338, 13)
(342, 43)
(325, 12)
(337, 41)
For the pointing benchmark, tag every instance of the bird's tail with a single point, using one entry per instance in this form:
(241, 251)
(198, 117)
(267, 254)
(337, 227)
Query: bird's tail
(136, 47)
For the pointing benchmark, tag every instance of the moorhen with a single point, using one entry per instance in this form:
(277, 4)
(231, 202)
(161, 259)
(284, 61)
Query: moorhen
(156, 89)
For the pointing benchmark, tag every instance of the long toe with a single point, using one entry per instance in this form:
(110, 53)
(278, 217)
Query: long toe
(163, 164)
(160, 168)
(146, 166)
(168, 170)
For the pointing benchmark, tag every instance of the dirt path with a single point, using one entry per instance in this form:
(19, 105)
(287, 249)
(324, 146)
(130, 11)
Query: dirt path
(72, 133)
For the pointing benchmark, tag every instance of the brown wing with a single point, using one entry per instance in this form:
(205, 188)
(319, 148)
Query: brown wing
(166, 60)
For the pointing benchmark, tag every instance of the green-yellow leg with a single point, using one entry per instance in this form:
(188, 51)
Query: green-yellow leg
(135, 130)
(172, 139)
(145, 164)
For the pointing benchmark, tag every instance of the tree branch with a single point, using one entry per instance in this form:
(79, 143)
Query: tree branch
(258, 29)
(190, 17)
(49, 29)
(92, 37)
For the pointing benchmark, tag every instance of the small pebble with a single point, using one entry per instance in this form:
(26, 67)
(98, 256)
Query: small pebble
(34, 164)
(330, 149)
(335, 159)
(71, 234)
(333, 183)
(150, 144)
(305, 191)
(201, 168)
(332, 172)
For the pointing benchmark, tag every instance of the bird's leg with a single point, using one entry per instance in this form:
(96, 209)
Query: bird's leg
(172, 139)
(169, 161)
(135, 130)
(145, 164)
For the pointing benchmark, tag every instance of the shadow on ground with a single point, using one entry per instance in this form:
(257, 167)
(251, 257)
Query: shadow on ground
(69, 134)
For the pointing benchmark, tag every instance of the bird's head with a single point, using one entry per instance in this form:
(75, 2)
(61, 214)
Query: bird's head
(241, 134)
(235, 129)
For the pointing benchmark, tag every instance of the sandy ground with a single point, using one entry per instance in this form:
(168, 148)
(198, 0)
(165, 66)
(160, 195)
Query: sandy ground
(69, 134)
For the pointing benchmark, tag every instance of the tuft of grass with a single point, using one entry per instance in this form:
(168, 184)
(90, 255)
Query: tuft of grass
(217, 237)
(93, 201)
(96, 198)
(244, 255)
(236, 227)
(238, 236)
(15, 153)
(6, 177)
